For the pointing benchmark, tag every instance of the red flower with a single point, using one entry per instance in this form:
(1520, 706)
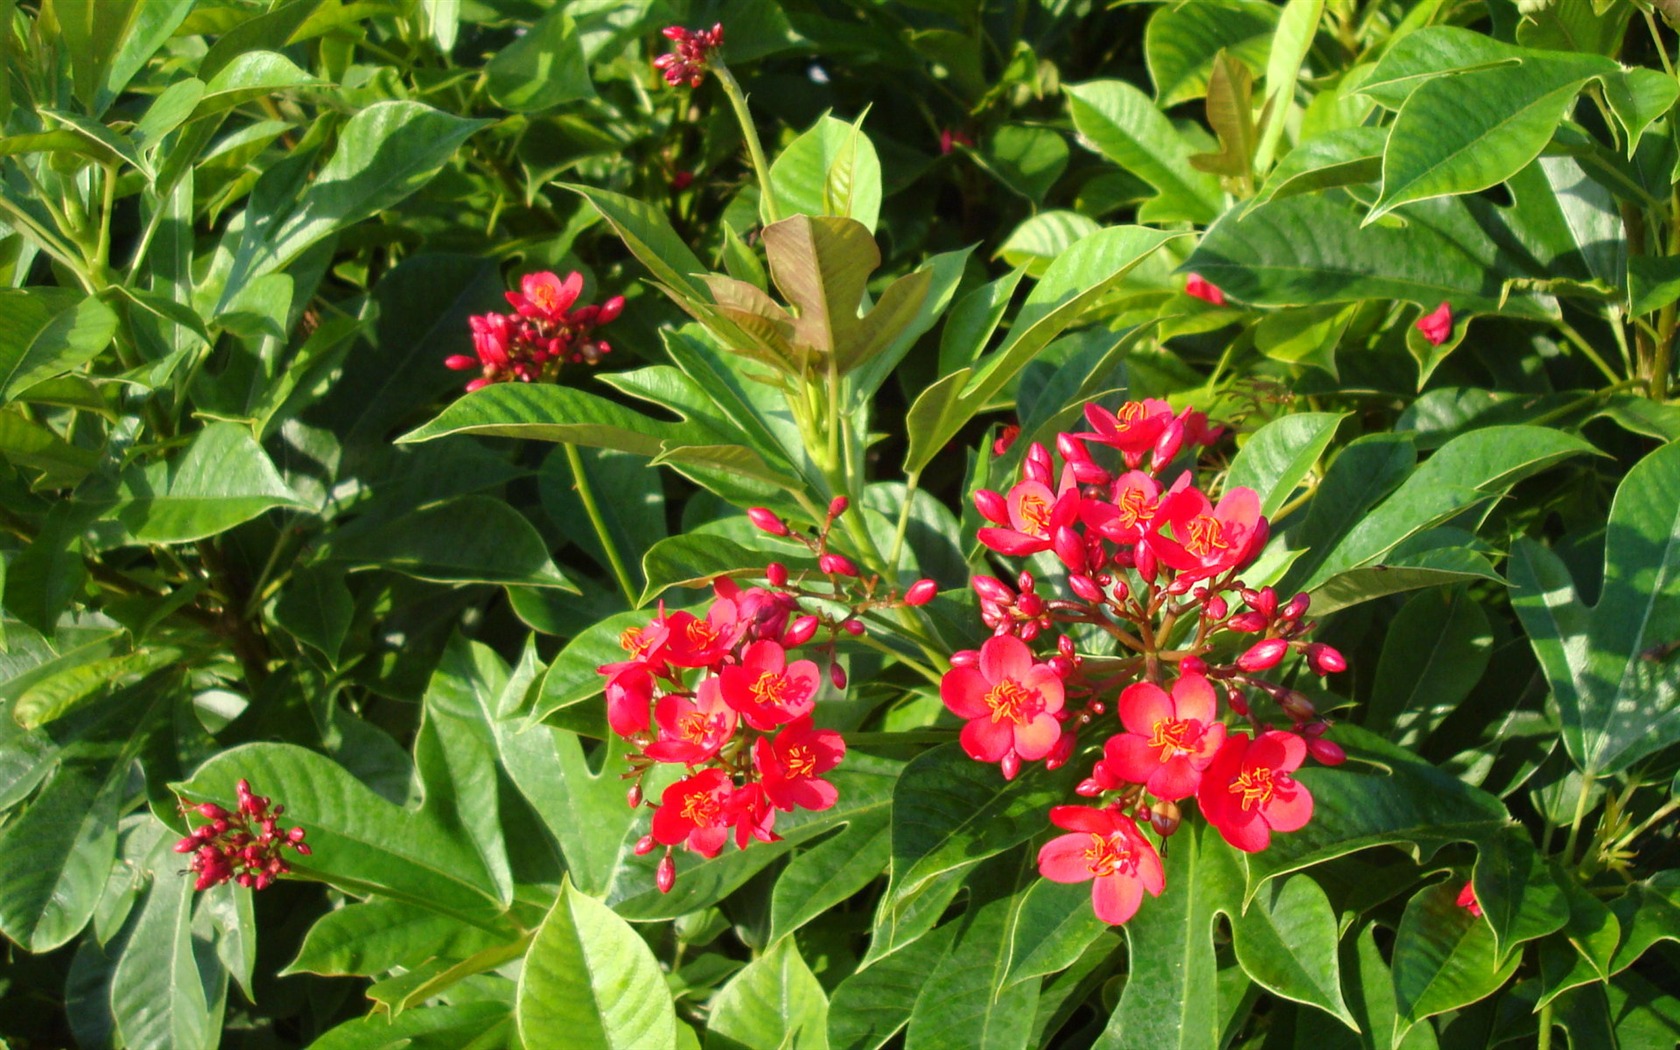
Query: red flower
(752, 816)
(545, 296)
(1467, 900)
(1200, 540)
(1035, 513)
(1133, 430)
(693, 811)
(1107, 848)
(243, 846)
(693, 56)
(1437, 325)
(1011, 702)
(791, 764)
(629, 692)
(1201, 288)
(1247, 792)
(1128, 517)
(693, 642)
(692, 730)
(767, 690)
(1169, 740)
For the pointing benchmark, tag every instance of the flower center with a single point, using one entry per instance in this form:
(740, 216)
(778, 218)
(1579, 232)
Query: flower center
(1035, 515)
(1206, 536)
(1256, 785)
(700, 634)
(1131, 414)
(633, 641)
(777, 690)
(1175, 736)
(1134, 508)
(700, 809)
(1106, 856)
(1011, 701)
(694, 726)
(800, 761)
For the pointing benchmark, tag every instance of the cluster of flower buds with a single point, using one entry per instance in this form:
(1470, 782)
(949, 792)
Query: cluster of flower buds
(542, 333)
(728, 695)
(693, 56)
(244, 846)
(1153, 563)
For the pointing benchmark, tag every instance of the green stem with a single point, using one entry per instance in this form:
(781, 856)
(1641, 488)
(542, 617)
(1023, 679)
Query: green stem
(1580, 343)
(1545, 1042)
(755, 149)
(911, 481)
(1580, 815)
(587, 496)
(915, 665)
(1649, 822)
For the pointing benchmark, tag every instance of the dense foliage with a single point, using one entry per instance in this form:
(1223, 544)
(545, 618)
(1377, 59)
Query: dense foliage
(1068, 524)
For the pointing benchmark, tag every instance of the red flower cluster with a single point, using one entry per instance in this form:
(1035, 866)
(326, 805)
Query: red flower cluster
(1153, 562)
(728, 695)
(542, 333)
(244, 846)
(693, 56)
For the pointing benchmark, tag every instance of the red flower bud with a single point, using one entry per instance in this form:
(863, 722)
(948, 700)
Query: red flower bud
(1085, 587)
(921, 592)
(1070, 548)
(1089, 788)
(634, 795)
(1296, 608)
(992, 506)
(837, 675)
(644, 846)
(665, 875)
(1010, 764)
(1327, 753)
(992, 589)
(1025, 580)
(965, 658)
(1237, 702)
(1324, 659)
(1297, 707)
(1193, 665)
(852, 627)
(1264, 600)
(767, 521)
(837, 506)
(1263, 655)
(837, 565)
(799, 631)
(776, 574)
(1215, 608)
(1061, 665)
(1247, 622)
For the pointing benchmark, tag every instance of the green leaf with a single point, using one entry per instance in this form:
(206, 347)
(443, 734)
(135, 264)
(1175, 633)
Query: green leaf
(1617, 688)
(1653, 282)
(542, 68)
(1648, 914)
(973, 321)
(548, 412)
(50, 699)
(1053, 927)
(1286, 942)
(1464, 133)
(1434, 653)
(1383, 796)
(51, 461)
(1026, 158)
(223, 478)
(1275, 459)
(1124, 125)
(830, 872)
(830, 169)
(590, 976)
(359, 841)
(693, 560)
(1290, 44)
(579, 797)
(1582, 951)
(250, 76)
(869, 1007)
(1342, 157)
(46, 332)
(1520, 898)
(316, 608)
(1180, 43)
(159, 995)
(379, 936)
(93, 32)
(775, 1003)
(1035, 243)
(437, 1027)
(55, 856)
(649, 238)
(1444, 957)
(950, 811)
(571, 679)
(469, 539)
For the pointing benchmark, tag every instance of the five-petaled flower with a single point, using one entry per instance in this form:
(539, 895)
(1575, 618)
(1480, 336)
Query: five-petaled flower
(694, 812)
(1170, 738)
(1010, 701)
(1248, 790)
(792, 764)
(1106, 847)
(767, 690)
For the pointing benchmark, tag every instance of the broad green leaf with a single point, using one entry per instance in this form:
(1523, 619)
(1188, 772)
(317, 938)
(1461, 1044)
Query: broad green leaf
(359, 841)
(1343, 157)
(1054, 925)
(51, 461)
(378, 936)
(1444, 957)
(1026, 158)
(46, 332)
(590, 976)
(1286, 942)
(950, 811)
(316, 607)
(945, 272)
(1648, 913)
(693, 560)
(222, 479)
(579, 797)
(830, 872)
(542, 68)
(93, 32)
(869, 1007)
(1382, 796)
(55, 855)
(1180, 43)
(1370, 998)
(159, 992)
(973, 321)
(775, 1003)
(1434, 653)
(1463, 473)
(1036, 243)
(1464, 133)
(1290, 44)
(548, 412)
(1171, 993)
(1520, 898)
(154, 22)
(1582, 951)
(572, 679)
(1433, 558)
(469, 539)
(52, 698)
(434, 1028)
(250, 76)
(649, 237)
(831, 169)
(1121, 123)
(1653, 282)
(1275, 459)
(1618, 691)
(1311, 249)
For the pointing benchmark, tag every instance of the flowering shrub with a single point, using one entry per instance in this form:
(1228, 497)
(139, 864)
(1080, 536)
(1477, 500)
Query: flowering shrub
(969, 476)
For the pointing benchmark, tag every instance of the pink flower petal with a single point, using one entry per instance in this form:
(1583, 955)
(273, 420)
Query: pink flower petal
(1193, 697)
(986, 740)
(1115, 898)
(1062, 859)
(1142, 704)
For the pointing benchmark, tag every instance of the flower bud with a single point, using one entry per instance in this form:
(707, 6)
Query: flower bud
(837, 506)
(1030, 605)
(1247, 623)
(634, 795)
(1164, 817)
(1237, 702)
(965, 658)
(1061, 752)
(1168, 444)
(1070, 548)
(1028, 630)
(837, 675)
(1324, 659)
(837, 565)
(665, 876)
(644, 846)
(1025, 580)
(1296, 608)
(767, 521)
(1089, 788)
(1010, 764)
(1327, 753)
(1145, 562)
(1085, 587)
(1038, 466)
(1061, 666)
(1193, 665)
(1263, 655)
(921, 592)
(776, 574)
(852, 626)
(1215, 608)
(799, 631)
(1297, 707)
(992, 589)
(992, 506)
(1265, 601)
